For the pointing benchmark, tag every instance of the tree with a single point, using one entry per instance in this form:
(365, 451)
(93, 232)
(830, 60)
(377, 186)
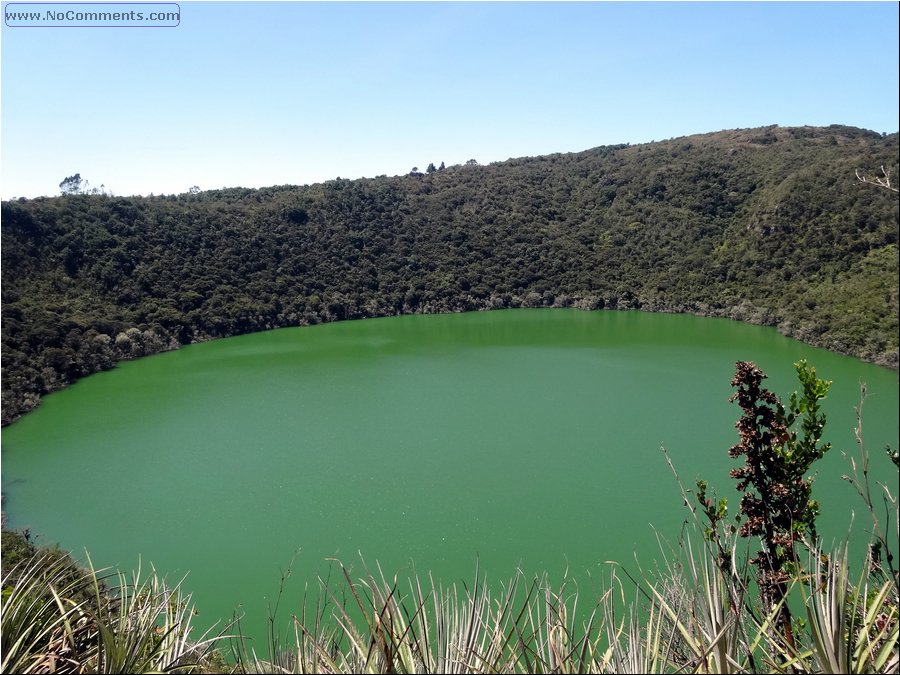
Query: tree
(431, 168)
(76, 185)
(441, 167)
(73, 185)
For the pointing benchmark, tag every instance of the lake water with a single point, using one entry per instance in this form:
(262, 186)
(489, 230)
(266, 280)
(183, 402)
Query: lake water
(525, 438)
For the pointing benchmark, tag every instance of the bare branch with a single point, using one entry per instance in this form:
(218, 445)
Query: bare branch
(877, 181)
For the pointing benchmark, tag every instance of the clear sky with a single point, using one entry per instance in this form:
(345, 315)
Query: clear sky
(256, 94)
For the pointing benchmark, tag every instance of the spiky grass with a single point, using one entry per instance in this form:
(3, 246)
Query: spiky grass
(43, 624)
(853, 627)
(690, 615)
(145, 626)
(58, 617)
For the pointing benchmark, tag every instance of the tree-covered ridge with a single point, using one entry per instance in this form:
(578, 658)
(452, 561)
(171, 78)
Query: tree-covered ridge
(766, 225)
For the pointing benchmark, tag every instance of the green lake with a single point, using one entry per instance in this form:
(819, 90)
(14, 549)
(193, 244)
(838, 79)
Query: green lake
(525, 438)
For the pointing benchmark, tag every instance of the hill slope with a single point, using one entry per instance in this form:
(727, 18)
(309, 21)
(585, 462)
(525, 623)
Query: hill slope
(764, 225)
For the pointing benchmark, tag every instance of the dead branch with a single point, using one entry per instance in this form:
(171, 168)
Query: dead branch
(877, 181)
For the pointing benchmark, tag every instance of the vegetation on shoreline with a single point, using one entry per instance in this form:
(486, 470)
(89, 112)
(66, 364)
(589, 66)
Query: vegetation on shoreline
(698, 612)
(763, 225)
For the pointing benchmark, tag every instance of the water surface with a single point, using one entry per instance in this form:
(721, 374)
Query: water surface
(525, 438)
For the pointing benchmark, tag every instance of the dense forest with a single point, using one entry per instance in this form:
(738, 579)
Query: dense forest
(765, 225)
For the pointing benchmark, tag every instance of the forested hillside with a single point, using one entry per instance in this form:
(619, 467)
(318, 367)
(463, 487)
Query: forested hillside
(765, 225)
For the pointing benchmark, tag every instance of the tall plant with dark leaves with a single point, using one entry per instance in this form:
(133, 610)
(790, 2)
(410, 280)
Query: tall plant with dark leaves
(777, 504)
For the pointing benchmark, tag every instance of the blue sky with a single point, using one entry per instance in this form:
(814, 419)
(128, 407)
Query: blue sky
(256, 94)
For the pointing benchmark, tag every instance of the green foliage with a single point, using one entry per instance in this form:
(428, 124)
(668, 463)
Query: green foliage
(777, 457)
(847, 627)
(777, 507)
(853, 627)
(757, 225)
(800, 450)
(714, 511)
(72, 185)
(692, 615)
(60, 617)
(16, 548)
(40, 628)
